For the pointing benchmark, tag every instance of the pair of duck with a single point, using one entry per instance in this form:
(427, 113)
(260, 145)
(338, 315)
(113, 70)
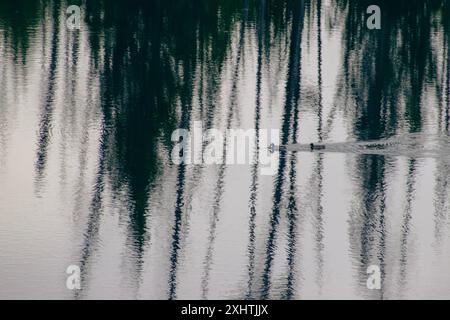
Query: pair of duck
(312, 146)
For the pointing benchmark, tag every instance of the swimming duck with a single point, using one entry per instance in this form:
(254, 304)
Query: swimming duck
(316, 146)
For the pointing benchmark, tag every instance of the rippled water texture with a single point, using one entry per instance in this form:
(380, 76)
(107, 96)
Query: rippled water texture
(86, 178)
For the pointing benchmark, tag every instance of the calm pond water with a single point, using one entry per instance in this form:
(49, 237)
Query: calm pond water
(86, 176)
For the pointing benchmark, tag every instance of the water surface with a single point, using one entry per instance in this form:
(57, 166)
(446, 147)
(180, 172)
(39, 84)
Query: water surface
(86, 178)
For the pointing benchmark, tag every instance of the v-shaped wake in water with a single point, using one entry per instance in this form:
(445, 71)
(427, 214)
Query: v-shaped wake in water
(415, 145)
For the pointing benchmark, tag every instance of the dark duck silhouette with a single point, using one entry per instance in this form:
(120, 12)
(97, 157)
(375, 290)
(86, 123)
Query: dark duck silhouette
(316, 146)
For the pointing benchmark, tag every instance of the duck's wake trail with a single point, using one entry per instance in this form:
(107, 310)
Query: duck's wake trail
(416, 145)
